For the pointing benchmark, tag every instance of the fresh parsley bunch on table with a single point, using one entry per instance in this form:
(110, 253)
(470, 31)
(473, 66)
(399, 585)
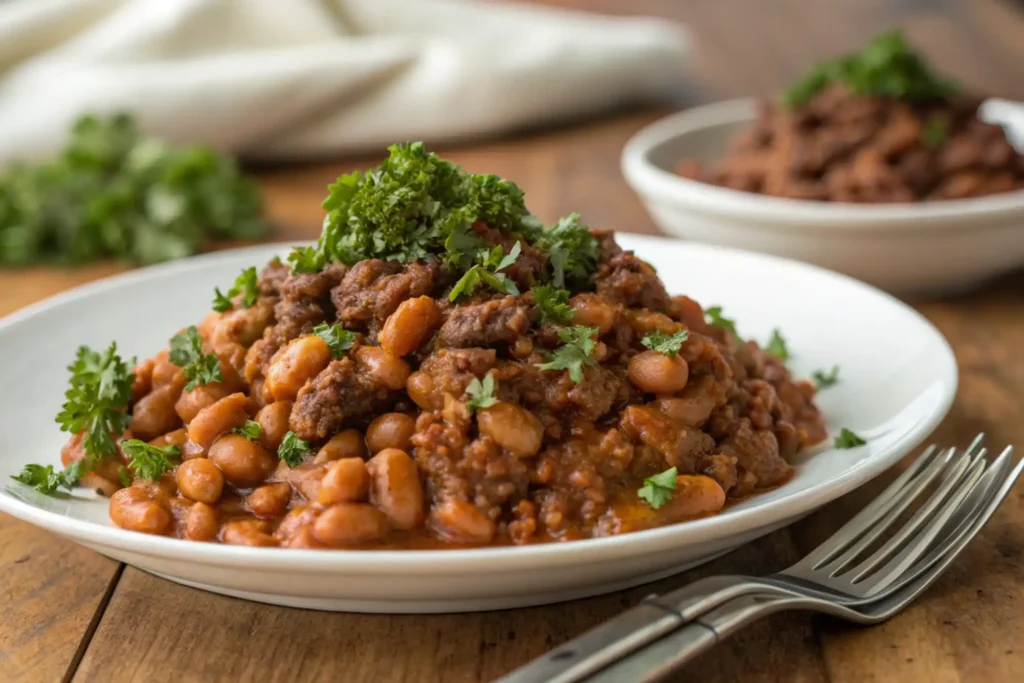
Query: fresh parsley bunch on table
(113, 192)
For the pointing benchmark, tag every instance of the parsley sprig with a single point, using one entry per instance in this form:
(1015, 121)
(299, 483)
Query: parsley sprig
(777, 346)
(101, 387)
(246, 283)
(481, 393)
(250, 431)
(293, 449)
(187, 353)
(488, 271)
(575, 353)
(338, 339)
(847, 439)
(934, 133)
(714, 317)
(46, 480)
(657, 489)
(667, 344)
(551, 303)
(572, 252)
(148, 461)
(825, 378)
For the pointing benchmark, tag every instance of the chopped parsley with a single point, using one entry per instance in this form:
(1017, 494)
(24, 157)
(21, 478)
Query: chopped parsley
(886, 67)
(416, 206)
(934, 133)
(575, 353)
(247, 284)
(250, 431)
(777, 346)
(825, 378)
(124, 476)
(149, 462)
(46, 480)
(657, 489)
(292, 449)
(96, 401)
(488, 271)
(338, 339)
(187, 353)
(551, 303)
(113, 192)
(481, 393)
(714, 317)
(667, 344)
(847, 439)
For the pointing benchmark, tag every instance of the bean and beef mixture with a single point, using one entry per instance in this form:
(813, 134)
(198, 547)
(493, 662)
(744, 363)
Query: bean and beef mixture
(871, 127)
(440, 369)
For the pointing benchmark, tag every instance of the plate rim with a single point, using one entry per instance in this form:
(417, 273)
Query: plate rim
(499, 559)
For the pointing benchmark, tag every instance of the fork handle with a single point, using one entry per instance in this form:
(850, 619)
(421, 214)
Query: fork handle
(660, 658)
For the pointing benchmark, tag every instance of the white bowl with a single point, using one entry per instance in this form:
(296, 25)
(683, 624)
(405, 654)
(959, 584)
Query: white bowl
(922, 248)
(898, 377)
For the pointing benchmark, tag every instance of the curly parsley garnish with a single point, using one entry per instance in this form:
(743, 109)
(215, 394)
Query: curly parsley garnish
(825, 378)
(667, 344)
(187, 353)
(714, 317)
(847, 439)
(488, 271)
(46, 480)
(886, 66)
(338, 339)
(149, 462)
(292, 449)
(572, 252)
(246, 283)
(481, 393)
(250, 431)
(777, 346)
(551, 303)
(101, 387)
(657, 489)
(575, 353)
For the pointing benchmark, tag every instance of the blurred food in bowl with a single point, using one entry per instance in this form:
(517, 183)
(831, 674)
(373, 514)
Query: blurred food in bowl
(113, 192)
(872, 127)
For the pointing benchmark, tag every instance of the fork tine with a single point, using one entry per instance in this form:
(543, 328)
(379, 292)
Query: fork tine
(907, 496)
(912, 541)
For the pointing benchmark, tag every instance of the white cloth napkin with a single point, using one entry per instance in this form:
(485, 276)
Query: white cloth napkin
(291, 78)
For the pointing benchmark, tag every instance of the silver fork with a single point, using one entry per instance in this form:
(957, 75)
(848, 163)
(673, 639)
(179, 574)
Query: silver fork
(819, 575)
(680, 646)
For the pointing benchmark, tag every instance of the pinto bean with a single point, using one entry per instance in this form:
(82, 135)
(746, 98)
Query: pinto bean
(346, 481)
(395, 487)
(461, 522)
(516, 430)
(133, 508)
(295, 364)
(350, 524)
(273, 419)
(244, 463)
(657, 373)
(346, 444)
(221, 417)
(390, 430)
(409, 326)
(154, 414)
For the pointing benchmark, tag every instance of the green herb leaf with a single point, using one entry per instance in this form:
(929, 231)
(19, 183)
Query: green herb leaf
(481, 393)
(657, 490)
(847, 439)
(187, 353)
(777, 346)
(886, 67)
(247, 282)
(825, 378)
(572, 252)
(292, 449)
(934, 133)
(250, 431)
(46, 480)
(124, 476)
(487, 272)
(150, 462)
(112, 192)
(99, 392)
(714, 317)
(667, 344)
(338, 338)
(575, 353)
(551, 303)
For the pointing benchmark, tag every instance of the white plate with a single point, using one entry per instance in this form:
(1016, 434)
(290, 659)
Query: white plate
(898, 380)
(919, 248)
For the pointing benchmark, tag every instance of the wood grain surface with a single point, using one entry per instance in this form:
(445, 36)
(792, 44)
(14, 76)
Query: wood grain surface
(67, 613)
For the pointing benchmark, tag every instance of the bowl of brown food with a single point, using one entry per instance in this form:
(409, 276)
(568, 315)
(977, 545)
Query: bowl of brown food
(870, 165)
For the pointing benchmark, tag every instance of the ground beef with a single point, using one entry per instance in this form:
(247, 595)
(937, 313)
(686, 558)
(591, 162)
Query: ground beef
(680, 446)
(629, 280)
(757, 452)
(451, 370)
(271, 277)
(341, 396)
(528, 268)
(372, 290)
(483, 324)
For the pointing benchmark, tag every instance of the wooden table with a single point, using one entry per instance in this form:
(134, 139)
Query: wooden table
(67, 613)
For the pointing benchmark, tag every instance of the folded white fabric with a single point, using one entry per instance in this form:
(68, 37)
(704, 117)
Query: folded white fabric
(290, 78)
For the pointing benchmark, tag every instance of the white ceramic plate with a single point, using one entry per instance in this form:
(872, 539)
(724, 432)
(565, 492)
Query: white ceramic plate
(898, 380)
(920, 248)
